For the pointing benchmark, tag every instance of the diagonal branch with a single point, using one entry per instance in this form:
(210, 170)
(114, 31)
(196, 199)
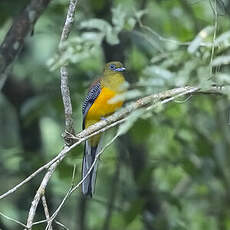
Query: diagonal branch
(46, 210)
(68, 116)
(149, 102)
(74, 188)
(116, 119)
(14, 39)
(13, 220)
(40, 192)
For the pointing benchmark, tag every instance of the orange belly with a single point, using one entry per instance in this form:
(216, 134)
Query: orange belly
(101, 107)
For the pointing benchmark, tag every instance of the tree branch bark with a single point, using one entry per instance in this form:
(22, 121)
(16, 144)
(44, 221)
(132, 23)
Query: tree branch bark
(69, 125)
(149, 102)
(116, 119)
(14, 39)
(69, 129)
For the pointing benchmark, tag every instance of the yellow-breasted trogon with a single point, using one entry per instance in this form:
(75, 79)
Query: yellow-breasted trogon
(97, 105)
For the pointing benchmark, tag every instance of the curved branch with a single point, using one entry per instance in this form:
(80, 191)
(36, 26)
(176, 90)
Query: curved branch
(73, 188)
(116, 119)
(40, 192)
(148, 102)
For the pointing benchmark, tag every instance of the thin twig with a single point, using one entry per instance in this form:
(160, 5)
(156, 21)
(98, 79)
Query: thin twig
(164, 101)
(69, 125)
(214, 34)
(39, 222)
(44, 221)
(11, 219)
(73, 175)
(185, 100)
(46, 210)
(69, 21)
(115, 120)
(72, 189)
(168, 40)
(62, 225)
(40, 192)
(149, 102)
(16, 187)
(58, 209)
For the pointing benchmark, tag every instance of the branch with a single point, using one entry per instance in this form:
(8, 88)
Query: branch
(68, 116)
(116, 119)
(69, 126)
(14, 39)
(40, 192)
(11, 219)
(46, 210)
(74, 188)
(148, 102)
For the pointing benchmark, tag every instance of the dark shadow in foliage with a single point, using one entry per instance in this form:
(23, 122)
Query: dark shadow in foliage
(147, 194)
(18, 92)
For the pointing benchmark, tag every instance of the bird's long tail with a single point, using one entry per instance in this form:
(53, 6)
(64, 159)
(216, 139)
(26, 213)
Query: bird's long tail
(90, 152)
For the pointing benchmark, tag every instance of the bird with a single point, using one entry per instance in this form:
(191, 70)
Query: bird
(97, 106)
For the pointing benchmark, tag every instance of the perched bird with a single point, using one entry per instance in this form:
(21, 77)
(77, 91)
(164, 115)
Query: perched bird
(97, 106)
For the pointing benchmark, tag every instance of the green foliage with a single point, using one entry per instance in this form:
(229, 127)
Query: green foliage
(88, 44)
(172, 162)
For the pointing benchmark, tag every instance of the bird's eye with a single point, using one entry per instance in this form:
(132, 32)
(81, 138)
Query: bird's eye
(112, 67)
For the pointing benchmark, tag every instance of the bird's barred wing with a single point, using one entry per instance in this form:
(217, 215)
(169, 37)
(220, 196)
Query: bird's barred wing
(89, 100)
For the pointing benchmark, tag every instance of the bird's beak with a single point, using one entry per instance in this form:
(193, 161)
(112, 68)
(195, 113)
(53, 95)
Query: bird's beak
(120, 69)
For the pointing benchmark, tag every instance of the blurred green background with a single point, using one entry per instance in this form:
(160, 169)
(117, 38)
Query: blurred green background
(171, 170)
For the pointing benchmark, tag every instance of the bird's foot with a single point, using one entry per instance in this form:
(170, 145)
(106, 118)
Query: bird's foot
(103, 118)
(70, 137)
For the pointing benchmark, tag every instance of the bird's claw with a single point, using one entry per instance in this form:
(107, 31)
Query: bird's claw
(69, 137)
(103, 118)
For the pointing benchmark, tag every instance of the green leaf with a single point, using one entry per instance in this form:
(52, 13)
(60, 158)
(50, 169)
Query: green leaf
(221, 60)
(131, 94)
(95, 23)
(223, 39)
(130, 24)
(134, 210)
(118, 18)
(123, 128)
(140, 13)
(104, 27)
(203, 34)
(156, 71)
(223, 78)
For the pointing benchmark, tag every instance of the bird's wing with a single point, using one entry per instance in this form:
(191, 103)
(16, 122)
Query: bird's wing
(93, 93)
(90, 152)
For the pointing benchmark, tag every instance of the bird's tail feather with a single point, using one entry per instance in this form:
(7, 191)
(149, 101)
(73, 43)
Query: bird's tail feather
(90, 153)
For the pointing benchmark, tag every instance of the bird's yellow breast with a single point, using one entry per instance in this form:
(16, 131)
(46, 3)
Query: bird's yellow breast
(102, 107)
